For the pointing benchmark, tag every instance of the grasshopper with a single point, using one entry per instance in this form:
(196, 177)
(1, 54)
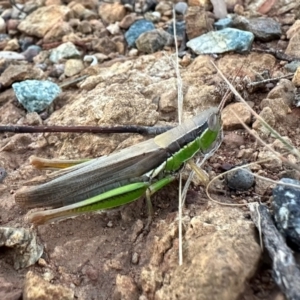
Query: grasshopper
(122, 177)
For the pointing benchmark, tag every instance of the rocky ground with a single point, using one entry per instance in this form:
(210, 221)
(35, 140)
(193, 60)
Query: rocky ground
(107, 255)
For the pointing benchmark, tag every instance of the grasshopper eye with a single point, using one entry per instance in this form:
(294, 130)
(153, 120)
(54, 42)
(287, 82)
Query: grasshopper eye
(214, 123)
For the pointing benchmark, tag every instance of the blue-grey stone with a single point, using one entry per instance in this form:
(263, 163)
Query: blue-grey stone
(136, 29)
(181, 8)
(36, 95)
(223, 23)
(286, 206)
(292, 66)
(228, 39)
(180, 28)
(240, 179)
(2, 174)
(264, 29)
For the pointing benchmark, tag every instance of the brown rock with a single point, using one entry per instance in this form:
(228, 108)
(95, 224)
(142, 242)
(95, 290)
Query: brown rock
(19, 73)
(111, 13)
(90, 4)
(197, 22)
(285, 89)
(104, 45)
(36, 288)
(296, 78)
(293, 29)
(268, 116)
(128, 20)
(222, 255)
(12, 45)
(279, 108)
(230, 122)
(206, 4)
(58, 31)
(293, 48)
(73, 67)
(125, 288)
(43, 19)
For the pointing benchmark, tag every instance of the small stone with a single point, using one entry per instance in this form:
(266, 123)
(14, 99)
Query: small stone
(114, 28)
(206, 4)
(154, 16)
(154, 40)
(12, 45)
(136, 29)
(230, 122)
(23, 244)
(264, 29)
(228, 39)
(73, 67)
(279, 107)
(127, 21)
(292, 66)
(286, 205)
(135, 258)
(58, 31)
(110, 224)
(293, 48)
(133, 52)
(85, 27)
(197, 22)
(240, 179)
(111, 13)
(11, 55)
(19, 73)
(163, 7)
(293, 29)
(2, 25)
(268, 116)
(181, 8)
(36, 95)
(31, 52)
(64, 51)
(223, 23)
(104, 45)
(296, 78)
(2, 174)
(37, 288)
(285, 90)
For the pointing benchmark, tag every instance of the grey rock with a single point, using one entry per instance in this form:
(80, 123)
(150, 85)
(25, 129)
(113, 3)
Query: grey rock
(66, 50)
(228, 39)
(181, 8)
(2, 174)
(286, 205)
(240, 179)
(264, 29)
(154, 40)
(136, 29)
(36, 95)
(292, 66)
(26, 248)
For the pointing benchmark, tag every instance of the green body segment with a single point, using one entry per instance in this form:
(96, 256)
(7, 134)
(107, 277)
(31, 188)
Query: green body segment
(124, 176)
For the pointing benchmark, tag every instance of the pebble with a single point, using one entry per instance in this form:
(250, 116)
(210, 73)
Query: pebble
(181, 8)
(296, 78)
(154, 40)
(228, 39)
(2, 174)
(36, 95)
(136, 29)
(293, 48)
(31, 52)
(264, 29)
(73, 67)
(240, 179)
(66, 50)
(11, 55)
(292, 66)
(223, 23)
(154, 16)
(111, 13)
(286, 205)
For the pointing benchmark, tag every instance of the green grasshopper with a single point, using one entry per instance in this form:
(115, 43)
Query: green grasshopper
(124, 176)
